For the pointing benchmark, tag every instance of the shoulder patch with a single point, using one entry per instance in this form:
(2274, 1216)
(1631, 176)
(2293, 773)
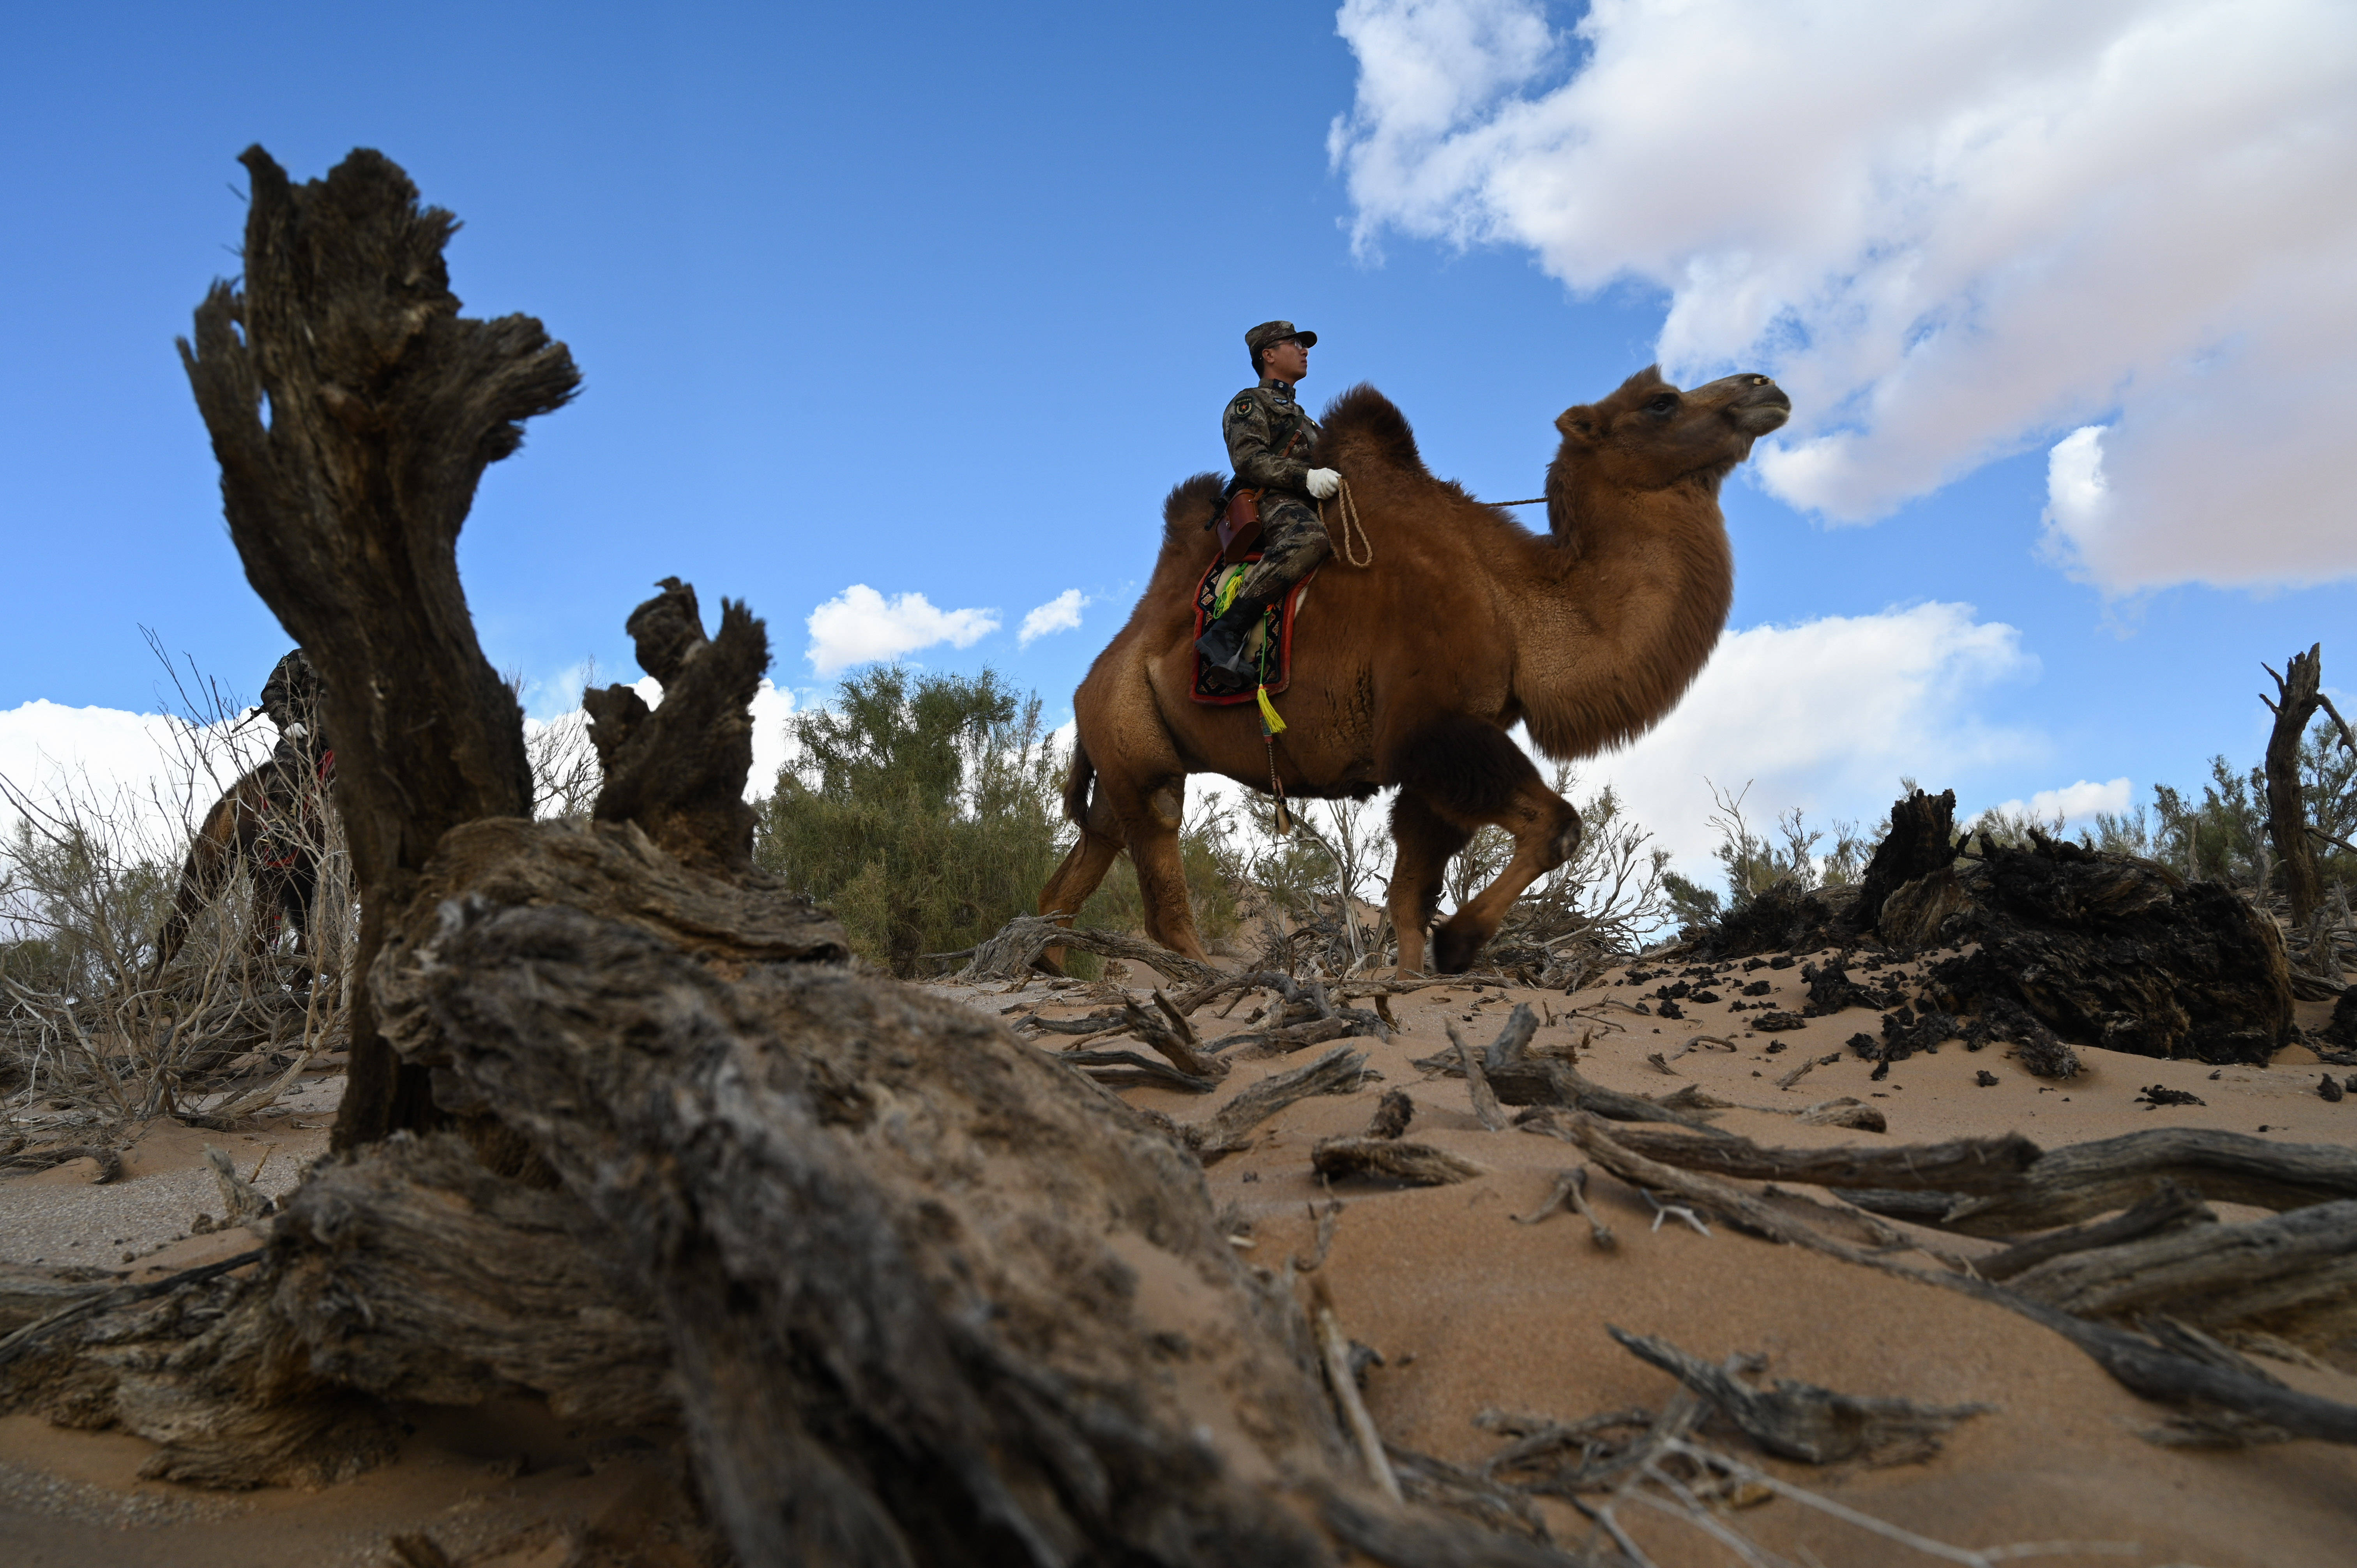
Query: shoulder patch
(1244, 405)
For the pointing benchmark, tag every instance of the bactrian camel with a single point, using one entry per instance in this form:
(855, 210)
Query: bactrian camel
(1411, 672)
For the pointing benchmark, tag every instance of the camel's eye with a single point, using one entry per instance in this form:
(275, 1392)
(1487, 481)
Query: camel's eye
(1665, 403)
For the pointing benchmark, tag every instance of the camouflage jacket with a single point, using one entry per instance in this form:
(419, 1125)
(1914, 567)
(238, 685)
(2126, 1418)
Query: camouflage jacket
(1270, 437)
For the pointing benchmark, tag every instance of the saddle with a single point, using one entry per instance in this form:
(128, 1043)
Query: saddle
(1269, 645)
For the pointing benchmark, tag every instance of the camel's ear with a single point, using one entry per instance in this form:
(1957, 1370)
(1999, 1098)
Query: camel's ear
(1579, 423)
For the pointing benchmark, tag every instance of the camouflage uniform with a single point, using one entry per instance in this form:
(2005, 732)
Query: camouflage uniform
(1262, 423)
(1269, 438)
(291, 698)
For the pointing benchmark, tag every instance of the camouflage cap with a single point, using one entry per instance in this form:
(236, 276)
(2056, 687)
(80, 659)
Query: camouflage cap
(1268, 332)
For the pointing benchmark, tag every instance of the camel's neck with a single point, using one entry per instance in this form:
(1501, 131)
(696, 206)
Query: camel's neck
(1618, 610)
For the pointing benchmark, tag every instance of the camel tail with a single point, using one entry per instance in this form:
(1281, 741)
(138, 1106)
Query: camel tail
(1077, 779)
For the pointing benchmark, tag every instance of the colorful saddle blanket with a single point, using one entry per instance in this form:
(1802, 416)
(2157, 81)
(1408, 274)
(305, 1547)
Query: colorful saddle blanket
(1270, 644)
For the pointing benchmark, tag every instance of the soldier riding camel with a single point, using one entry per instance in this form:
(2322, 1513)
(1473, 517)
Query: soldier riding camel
(1268, 435)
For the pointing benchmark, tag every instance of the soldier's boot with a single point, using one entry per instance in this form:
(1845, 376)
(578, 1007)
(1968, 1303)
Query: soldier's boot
(1223, 642)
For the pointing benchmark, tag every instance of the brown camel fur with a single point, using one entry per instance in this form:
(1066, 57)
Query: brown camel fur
(1411, 672)
(271, 822)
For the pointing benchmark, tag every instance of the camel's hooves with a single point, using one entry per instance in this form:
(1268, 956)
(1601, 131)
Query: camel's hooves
(1453, 951)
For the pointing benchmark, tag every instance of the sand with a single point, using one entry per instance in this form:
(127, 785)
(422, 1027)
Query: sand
(1469, 1309)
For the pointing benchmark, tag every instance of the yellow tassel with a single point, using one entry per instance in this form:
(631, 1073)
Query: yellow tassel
(1268, 714)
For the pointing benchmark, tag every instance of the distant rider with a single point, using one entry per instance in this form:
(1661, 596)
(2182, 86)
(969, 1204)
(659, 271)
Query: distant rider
(1269, 436)
(291, 698)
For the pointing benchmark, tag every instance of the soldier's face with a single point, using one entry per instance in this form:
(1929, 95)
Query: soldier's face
(1287, 361)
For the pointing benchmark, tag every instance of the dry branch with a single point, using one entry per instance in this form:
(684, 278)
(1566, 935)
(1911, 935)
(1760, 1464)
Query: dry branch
(1228, 1129)
(2293, 1275)
(1419, 1165)
(2170, 1208)
(2083, 1180)
(1801, 1421)
(1485, 1099)
(2136, 1365)
(1019, 944)
(1964, 1164)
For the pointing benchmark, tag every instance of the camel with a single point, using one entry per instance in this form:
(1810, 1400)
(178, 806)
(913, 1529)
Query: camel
(1411, 672)
(271, 820)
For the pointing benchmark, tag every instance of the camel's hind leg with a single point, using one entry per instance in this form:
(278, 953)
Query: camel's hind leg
(1425, 840)
(1467, 774)
(1082, 868)
(1151, 822)
(202, 875)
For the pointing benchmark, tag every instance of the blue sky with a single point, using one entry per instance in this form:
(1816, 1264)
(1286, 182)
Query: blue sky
(941, 300)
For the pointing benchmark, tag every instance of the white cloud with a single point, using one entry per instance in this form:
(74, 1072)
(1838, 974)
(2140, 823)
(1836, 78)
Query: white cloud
(1951, 228)
(1061, 613)
(860, 625)
(144, 778)
(1825, 716)
(2072, 803)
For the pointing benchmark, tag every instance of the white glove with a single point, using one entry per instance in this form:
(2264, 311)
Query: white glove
(1322, 483)
(296, 732)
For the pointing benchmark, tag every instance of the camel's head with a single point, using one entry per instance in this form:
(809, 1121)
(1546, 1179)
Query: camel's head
(1650, 435)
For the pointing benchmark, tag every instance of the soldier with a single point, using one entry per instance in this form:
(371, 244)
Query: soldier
(291, 698)
(1269, 436)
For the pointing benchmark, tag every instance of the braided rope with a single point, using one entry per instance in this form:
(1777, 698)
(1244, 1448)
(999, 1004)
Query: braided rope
(1348, 511)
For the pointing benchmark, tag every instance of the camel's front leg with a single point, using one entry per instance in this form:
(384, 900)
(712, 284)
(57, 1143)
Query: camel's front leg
(1465, 774)
(1425, 840)
(1547, 834)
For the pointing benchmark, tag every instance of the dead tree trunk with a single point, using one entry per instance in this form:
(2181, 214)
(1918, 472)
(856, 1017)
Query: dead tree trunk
(2298, 694)
(352, 411)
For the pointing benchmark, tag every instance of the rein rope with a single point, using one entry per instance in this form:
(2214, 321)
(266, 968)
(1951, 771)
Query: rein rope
(1347, 510)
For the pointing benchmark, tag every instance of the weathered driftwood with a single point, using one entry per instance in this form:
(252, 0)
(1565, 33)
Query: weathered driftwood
(383, 407)
(30, 1295)
(1419, 1165)
(1117, 1069)
(1486, 1109)
(1571, 1188)
(2170, 1207)
(2140, 1367)
(1801, 1421)
(1999, 1187)
(1393, 1110)
(48, 1156)
(1228, 1129)
(2293, 1275)
(1518, 1077)
(241, 1203)
(1016, 950)
(2083, 1180)
(412, 1274)
(1963, 1164)
(1844, 1112)
(1168, 1032)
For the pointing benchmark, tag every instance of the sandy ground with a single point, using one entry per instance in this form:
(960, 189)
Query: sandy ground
(1469, 1310)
